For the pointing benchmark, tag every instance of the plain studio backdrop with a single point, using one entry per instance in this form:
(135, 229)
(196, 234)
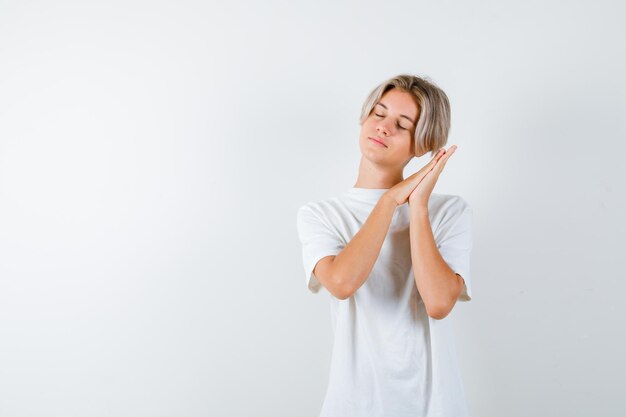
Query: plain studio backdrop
(153, 156)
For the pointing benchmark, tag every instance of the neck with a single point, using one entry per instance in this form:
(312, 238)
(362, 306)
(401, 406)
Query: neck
(377, 176)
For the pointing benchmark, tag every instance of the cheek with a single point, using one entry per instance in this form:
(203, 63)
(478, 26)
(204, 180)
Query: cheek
(410, 144)
(366, 128)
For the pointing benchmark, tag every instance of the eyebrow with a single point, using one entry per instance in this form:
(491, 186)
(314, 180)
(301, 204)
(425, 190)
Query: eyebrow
(402, 115)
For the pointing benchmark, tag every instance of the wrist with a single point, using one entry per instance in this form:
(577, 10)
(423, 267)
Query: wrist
(389, 200)
(418, 207)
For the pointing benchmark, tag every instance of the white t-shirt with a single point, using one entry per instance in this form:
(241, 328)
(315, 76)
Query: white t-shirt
(389, 357)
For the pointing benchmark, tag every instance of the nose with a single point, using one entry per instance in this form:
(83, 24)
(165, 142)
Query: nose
(382, 128)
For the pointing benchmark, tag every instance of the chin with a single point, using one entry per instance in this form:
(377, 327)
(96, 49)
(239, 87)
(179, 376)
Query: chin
(372, 156)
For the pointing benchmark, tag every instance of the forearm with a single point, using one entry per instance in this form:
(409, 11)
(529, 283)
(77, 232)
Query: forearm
(436, 282)
(353, 264)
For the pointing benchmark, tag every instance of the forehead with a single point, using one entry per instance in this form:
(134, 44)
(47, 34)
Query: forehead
(401, 102)
(397, 100)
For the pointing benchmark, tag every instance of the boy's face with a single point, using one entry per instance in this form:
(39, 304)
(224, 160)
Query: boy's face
(387, 134)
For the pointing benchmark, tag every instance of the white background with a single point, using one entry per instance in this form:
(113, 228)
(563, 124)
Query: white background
(153, 156)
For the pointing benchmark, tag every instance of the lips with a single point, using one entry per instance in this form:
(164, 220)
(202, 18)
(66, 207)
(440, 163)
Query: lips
(379, 141)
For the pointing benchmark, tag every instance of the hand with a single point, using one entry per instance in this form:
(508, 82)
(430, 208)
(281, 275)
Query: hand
(420, 195)
(401, 191)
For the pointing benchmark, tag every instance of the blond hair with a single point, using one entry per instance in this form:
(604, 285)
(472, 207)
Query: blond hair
(433, 125)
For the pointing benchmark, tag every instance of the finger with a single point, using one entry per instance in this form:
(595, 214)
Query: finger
(428, 167)
(433, 162)
(419, 175)
(443, 160)
(438, 155)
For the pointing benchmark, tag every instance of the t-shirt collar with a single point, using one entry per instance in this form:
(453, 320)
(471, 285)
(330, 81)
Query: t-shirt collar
(366, 194)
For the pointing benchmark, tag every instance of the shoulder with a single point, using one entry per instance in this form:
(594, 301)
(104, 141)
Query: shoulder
(320, 207)
(448, 202)
(447, 208)
(311, 208)
(319, 210)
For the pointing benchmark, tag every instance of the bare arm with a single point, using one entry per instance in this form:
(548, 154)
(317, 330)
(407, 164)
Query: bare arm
(344, 273)
(436, 282)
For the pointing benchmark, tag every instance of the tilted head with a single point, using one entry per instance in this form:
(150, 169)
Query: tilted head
(428, 134)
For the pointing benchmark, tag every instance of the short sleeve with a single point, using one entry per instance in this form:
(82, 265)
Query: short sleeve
(455, 248)
(318, 241)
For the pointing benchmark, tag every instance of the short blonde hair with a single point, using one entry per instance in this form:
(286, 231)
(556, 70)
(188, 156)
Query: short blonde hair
(433, 125)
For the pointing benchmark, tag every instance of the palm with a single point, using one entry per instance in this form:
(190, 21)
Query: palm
(421, 193)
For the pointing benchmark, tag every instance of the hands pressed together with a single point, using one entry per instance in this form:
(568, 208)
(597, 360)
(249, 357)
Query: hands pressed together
(417, 188)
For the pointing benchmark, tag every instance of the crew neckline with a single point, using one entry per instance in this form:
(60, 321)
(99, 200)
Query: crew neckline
(367, 194)
(359, 189)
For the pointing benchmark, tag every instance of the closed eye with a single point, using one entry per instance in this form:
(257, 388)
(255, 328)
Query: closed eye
(397, 124)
